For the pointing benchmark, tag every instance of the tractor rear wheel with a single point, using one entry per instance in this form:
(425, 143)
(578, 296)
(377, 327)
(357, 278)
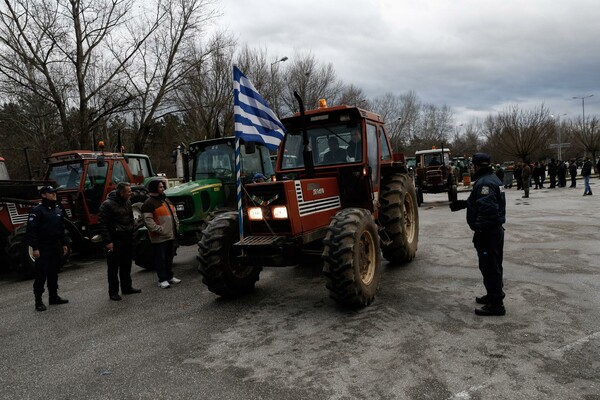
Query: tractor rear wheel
(452, 192)
(400, 218)
(352, 258)
(221, 271)
(21, 256)
(142, 248)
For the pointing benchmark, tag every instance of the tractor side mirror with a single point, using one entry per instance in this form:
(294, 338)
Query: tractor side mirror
(100, 162)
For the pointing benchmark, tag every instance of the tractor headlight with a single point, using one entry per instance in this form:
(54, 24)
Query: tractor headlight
(255, 214)
(179, 207)
(280, 212)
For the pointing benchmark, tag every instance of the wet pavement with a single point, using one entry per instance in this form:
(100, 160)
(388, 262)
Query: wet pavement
(419, 340)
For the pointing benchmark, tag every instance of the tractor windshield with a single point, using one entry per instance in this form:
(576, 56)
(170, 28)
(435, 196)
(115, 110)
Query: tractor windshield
(3, 172)
(218, 161)
(67, 176)
(331, 145)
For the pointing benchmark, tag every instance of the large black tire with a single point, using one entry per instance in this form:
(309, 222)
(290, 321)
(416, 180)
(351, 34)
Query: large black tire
(400, 218)
(209, 217)
(220, 269)
(352, 258)
(142, 248)
(21, 256)
(452, 193)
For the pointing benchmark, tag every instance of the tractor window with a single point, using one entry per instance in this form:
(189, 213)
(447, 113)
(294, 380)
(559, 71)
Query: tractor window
(119, 174)
(94, 185)
(330, 146)
(139, 167)
(67, 176)
(373, 152)
(386, 154)
(215, 161)
(3, 172)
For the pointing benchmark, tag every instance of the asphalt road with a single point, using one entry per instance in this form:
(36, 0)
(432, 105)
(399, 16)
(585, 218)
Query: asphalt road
(419, 340)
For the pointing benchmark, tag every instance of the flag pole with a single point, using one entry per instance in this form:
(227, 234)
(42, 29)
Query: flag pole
(238, 184)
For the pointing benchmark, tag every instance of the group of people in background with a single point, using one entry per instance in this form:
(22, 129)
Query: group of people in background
(528, 174)
(47, 235)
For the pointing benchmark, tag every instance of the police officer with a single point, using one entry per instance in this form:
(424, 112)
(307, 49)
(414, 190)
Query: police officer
(47, 236)
(486, 213)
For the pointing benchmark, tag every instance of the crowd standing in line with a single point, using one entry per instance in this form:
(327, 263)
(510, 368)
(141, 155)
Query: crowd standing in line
(161, 220)
(116, 228)
(49, 240)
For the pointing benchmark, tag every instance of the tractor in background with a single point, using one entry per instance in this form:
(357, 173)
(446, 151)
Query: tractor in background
(83, 179)
(349, 204)
(434, 174)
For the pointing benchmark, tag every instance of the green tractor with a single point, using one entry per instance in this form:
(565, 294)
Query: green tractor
(209, 190)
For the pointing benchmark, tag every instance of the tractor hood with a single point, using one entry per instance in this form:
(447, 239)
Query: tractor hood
(192, 187)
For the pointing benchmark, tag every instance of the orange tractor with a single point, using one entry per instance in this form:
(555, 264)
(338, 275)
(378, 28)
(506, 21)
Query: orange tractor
(349, 201)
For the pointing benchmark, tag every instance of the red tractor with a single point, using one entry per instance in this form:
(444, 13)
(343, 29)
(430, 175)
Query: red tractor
(338, 191)
(83, 179)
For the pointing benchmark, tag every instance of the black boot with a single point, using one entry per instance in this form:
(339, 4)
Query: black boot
(39, 304)
(56, 299)
(491, 309)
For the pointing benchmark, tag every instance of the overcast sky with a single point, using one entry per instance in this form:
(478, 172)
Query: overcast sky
(476, 56)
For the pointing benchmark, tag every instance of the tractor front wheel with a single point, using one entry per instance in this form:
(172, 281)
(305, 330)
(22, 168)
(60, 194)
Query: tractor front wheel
(221, 271)
(352, 258)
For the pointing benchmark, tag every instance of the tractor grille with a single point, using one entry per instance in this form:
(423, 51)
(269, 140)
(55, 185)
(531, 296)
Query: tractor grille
(269, 195)
(183, 201)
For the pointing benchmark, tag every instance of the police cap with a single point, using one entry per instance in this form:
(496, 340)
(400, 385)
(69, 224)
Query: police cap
(482, 159)
(47, 189)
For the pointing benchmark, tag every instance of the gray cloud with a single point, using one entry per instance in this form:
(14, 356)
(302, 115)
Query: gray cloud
(476, 56)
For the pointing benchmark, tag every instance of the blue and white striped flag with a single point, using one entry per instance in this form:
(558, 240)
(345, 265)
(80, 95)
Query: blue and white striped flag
(254, 119)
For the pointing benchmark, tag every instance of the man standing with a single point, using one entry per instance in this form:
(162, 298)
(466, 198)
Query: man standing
(116, 228)
(573, 173)
(47, 237)
(552, 170)
(526, 176)
(586, 172)
(486, 213)
(354, 148)
(161, 220)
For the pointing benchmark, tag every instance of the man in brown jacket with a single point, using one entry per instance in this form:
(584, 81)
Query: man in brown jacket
(161, 220)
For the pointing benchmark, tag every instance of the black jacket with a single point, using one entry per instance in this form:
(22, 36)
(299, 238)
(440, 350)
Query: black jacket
(115, 216)
(486, 205)
(45, 226)
(586, 170)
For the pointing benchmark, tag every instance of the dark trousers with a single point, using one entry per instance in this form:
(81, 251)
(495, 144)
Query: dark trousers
(573, 181)
(163, 259)
(552, 181)
(490, 248)
(119, 262)
(46, 269)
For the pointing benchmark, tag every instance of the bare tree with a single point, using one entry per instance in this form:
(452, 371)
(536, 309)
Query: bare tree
(587, 134)
(165, 61)
(518, 133)
(401, 114)
(313, 81)
(435, 125)
(73, 55)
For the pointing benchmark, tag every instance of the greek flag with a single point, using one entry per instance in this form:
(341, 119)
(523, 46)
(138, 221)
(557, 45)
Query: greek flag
(254, 119)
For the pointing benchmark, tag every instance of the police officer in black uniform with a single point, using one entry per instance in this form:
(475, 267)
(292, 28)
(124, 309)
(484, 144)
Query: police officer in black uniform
(47, 236)
(486, 213)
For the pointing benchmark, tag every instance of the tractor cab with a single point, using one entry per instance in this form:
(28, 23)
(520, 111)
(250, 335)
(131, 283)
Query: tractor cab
(434, 173)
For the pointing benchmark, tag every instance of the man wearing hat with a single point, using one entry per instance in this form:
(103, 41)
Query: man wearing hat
(49, 240)
(486, 213)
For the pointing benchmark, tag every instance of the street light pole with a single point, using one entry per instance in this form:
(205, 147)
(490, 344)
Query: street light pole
(583, 109)
(559, 135)
(274, 95)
